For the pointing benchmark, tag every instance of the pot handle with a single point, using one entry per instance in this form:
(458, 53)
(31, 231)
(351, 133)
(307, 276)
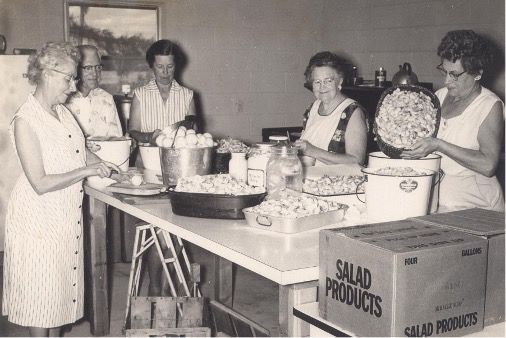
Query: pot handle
(407, 67)
(267, 222)
(358, 186)
(441, 175)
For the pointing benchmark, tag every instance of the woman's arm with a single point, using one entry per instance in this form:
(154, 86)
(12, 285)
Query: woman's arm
(484, 160)
(30, 155)
(356, 143)
(134, 125)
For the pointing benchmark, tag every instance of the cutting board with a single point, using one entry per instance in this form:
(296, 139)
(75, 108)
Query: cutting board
(162, 198)
(137, 190)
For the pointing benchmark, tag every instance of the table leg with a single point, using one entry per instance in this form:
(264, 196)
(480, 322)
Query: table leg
(96, 267)
(290, 295)
(223, 288)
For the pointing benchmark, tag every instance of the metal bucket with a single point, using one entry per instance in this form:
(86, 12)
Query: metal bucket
(184, 162)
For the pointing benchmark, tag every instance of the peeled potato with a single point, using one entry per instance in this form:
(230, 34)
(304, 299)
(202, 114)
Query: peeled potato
(207, 135)
(180, 142)
(201, 140)
(167, 142)
(209, 142)
(191, 139)
(180, 132)
(160, 139)
(136, 180)
(190, 131)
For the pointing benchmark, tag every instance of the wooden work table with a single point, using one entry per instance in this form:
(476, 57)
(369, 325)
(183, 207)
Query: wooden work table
(289, 260)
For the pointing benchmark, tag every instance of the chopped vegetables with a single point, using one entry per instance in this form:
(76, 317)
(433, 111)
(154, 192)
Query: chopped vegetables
(216, 184)
(402, 171)
(405, 117)
(230, 145)
(295, 206)
(334, 185)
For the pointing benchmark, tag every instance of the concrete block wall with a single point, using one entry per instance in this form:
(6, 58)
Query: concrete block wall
(387, 33)
(246, 60)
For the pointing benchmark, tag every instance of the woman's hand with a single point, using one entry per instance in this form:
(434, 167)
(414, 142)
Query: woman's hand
(422, 148)
(305, 147)
(102, 169)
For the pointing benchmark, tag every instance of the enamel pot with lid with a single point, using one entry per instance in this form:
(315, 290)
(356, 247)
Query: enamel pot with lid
(405, 75)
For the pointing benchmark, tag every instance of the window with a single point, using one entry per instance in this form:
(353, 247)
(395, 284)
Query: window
(121, 31)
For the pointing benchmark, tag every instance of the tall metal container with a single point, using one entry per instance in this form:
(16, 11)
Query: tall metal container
(182, 162)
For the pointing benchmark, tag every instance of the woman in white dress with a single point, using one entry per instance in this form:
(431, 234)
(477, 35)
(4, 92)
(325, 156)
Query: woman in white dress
(335, 128)
(43, 262)
(471, 131)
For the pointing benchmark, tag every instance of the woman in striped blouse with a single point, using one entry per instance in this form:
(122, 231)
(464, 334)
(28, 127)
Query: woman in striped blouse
(160, 103)
(163, 101)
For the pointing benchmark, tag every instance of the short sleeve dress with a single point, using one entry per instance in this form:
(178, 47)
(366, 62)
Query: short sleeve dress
(43, 259)
(463, 188)
(157, 113)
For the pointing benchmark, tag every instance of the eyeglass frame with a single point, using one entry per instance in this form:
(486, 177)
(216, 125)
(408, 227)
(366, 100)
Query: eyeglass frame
(453, 76)
(72, 77)
(89, 68)
(325, 82)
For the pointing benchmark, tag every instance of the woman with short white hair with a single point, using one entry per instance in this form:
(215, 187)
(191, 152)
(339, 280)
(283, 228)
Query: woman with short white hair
(43, 258)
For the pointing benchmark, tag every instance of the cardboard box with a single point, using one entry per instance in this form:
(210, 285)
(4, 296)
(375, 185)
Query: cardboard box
(489, 225)
(424, 282)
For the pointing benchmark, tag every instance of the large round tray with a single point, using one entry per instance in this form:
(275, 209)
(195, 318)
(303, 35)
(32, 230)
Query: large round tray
(212, 205)
(388, 149)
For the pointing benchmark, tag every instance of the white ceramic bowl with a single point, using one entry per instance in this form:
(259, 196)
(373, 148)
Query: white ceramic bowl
(99, 183)
(150, 156)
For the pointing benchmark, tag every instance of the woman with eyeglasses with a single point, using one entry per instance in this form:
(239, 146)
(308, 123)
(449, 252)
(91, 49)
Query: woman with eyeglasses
(93, 107)
(471, 131)
(43, 280)
(335, 128)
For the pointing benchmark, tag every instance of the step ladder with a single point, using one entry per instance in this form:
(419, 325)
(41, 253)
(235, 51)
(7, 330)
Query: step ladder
(147, 235)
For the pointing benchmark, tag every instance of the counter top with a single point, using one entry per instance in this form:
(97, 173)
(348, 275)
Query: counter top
(283, 258)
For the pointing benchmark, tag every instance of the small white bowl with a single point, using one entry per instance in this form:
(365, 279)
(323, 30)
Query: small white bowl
(99, 183)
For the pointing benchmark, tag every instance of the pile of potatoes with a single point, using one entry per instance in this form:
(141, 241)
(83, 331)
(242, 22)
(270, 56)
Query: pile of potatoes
(184, 138)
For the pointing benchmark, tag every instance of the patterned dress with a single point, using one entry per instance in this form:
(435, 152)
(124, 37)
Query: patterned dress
(157, 113)
(43, 264)
(327, 132)
(96, 113)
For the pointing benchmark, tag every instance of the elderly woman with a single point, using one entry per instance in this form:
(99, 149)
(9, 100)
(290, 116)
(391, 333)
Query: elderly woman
(471, 131)
(93, 107)
(335, 128)
(163, 101)
(43, 262)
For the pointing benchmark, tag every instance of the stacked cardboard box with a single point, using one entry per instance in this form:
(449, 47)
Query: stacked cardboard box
(403, 278)
(489, 225)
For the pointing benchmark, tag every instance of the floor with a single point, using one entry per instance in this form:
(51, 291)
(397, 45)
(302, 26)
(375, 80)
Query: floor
(254, 296)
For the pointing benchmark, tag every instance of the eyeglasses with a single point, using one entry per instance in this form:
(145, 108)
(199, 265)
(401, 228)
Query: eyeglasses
(325, 82)
(452, 74)
(89, 68)
(68, 77)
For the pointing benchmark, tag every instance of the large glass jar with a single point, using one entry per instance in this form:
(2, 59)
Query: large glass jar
(284, 171)
(258, 157)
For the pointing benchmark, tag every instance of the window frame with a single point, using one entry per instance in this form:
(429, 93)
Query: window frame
(133, 4)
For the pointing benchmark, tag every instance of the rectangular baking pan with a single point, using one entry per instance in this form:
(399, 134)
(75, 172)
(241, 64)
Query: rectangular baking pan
(293, 225)
(212, 205)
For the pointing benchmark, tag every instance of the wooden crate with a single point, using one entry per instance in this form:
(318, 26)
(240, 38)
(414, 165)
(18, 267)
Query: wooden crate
(163, 313)
(170, 332)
